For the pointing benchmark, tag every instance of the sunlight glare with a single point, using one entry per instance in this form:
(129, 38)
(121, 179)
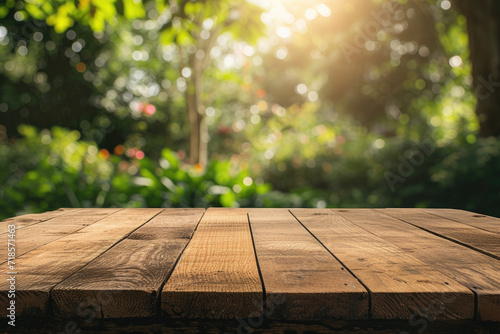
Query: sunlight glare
(284, 32)
(310, 14)
(324, 10)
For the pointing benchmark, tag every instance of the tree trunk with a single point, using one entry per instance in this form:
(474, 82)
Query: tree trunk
(194, 128)
(198, 126)
(203, 156)
(484, 43)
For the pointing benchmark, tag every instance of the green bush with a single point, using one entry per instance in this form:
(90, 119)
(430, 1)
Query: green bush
(52, 169)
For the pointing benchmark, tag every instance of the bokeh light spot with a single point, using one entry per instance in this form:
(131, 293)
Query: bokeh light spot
(104, 153)
(119, 149)
(301, 88)
(311, 14)
(323, 10)
(247, 181)
(81, 67)
(150, 109)
(445, 4)
(379, 143)
(139, 154)
(186, 72)
(284, 32)
(456, 61)
(282, 53)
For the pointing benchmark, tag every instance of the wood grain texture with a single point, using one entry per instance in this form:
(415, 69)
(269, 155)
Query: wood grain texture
(400, 285)
(34, 218)
(102, 263)
(303, 281)
(43, 232)
(484, 222)
(217, 275)
(46, 266)
(477, 271)
(478, 239)
(130, 275)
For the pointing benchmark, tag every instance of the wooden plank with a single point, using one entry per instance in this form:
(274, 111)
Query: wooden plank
(130, 275)
(477, 271)
(34, 218)
(217, 275)
(480, 240)
(302, 280)
(484, 222)
(43, 268)
(43, 232)
(400, 285)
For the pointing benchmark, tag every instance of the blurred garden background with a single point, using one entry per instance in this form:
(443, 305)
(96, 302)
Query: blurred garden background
(179, 103)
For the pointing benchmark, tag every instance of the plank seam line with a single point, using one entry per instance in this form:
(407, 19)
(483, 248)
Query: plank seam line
(476, 305)
(264, 300)
(41, 221)
(158, 298)
(62, 236)
(49, 308)
(449, 218)
(343, 265)
(445, 237)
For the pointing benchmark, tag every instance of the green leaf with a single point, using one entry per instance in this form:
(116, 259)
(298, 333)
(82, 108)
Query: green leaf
(3, 11)
(171, 158)
(168, 36)
(161, 5)
(34, 11)
(184, 38)
(246, 25)
(133, 9)
(193, 8)
(62, 20)
(227, 199)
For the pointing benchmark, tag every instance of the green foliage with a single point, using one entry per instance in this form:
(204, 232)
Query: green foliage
(51, 169)
(432, 180)
(219, 184)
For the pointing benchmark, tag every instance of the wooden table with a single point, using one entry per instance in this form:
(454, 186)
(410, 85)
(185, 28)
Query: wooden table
(253, 271)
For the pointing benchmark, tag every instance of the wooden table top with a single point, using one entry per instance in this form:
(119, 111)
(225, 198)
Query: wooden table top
(297, 264)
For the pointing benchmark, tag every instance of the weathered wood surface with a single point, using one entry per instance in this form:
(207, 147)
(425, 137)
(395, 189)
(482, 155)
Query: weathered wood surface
(479, 239)
(399, 284)
(126, 280)
(257, 267)
(35, 218)
(479, 272)
(46, 266)
(42, 232)
(484, 222)
(302, 280)
(217, 275)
